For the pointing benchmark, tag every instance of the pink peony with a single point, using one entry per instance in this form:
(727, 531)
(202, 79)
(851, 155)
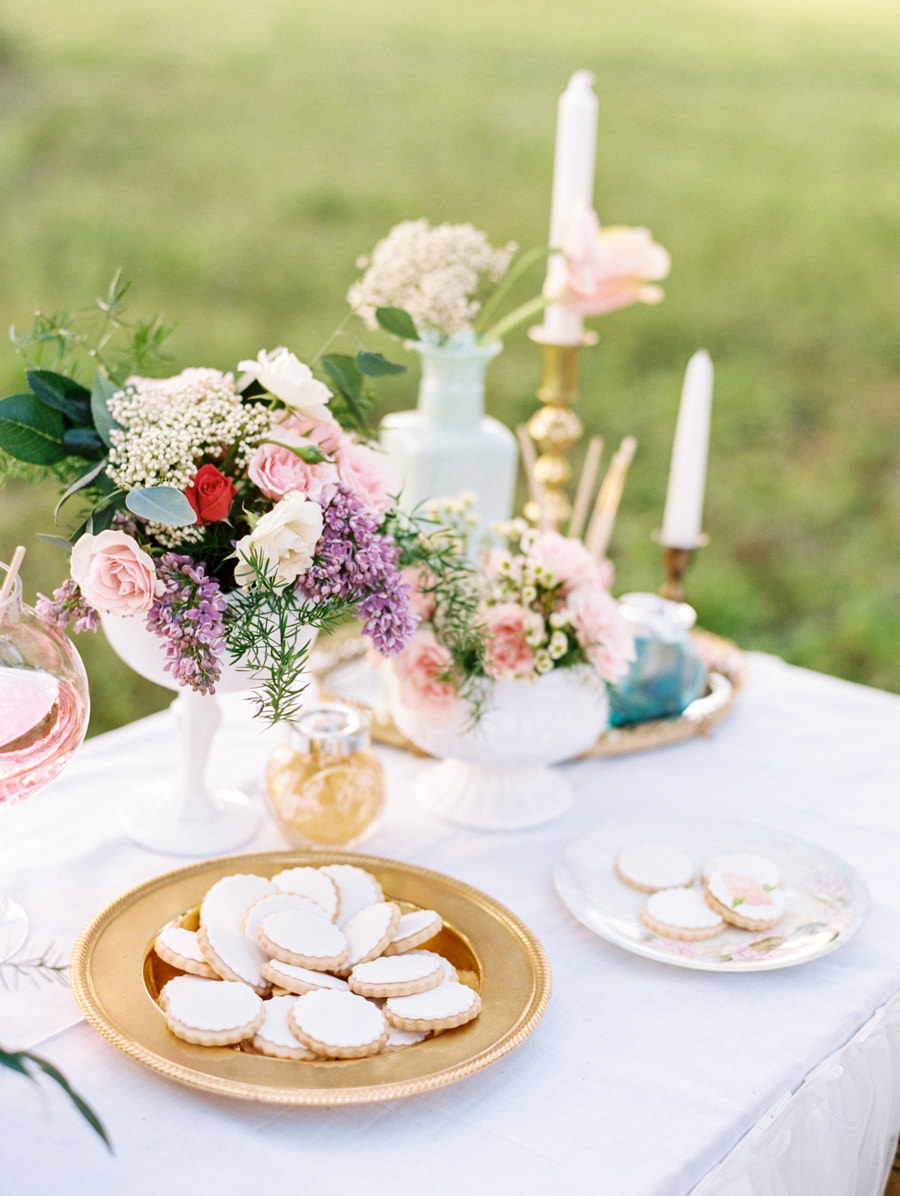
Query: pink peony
(114, 574)
(277, 471)
(368, 475)
(509, 654)
(421, 600)
(421, 670)
(570, 562)
(601, 631)
(609, 268)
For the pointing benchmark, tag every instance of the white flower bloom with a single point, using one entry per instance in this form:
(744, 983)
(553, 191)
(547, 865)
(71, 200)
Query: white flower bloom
(559, 645)
(543, 662)
(283, 541)
(289, 379)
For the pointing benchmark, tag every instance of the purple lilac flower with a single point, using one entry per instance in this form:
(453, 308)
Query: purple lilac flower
(68, 605)
(189, 615)
(357, 565)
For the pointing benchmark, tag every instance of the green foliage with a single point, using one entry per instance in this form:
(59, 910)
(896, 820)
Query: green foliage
(25, 1063)
(161, 504)
(397, 322)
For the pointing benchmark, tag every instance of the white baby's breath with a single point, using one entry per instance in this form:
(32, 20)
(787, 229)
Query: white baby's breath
(436, 274)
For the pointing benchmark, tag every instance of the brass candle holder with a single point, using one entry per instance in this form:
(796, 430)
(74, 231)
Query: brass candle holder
(555, 429)
(676, 562)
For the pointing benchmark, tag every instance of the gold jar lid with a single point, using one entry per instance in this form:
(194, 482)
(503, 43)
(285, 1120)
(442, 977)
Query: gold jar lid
(331, 730)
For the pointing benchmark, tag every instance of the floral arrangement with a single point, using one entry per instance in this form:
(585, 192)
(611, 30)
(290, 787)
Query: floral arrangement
(542, 601)
(226, 511)
(445, 283)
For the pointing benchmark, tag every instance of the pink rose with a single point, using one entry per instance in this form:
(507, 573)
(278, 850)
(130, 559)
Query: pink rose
(114, 574)
(601, 631)
(570, 562)
(323, 430)
(421, 599)
(609, 268)
(277, 470)
(368, 475)
(422, 670)
(509, 654)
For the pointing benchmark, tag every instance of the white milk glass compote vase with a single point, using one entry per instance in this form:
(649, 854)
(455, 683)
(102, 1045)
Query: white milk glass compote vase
(43, 717)
(185, 816)
(496, 769)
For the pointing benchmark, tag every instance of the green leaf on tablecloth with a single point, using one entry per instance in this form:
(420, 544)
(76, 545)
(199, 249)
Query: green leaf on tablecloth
(31, 431)
(20, 1060)
(374, 365)
(161, 504)
(397, 322)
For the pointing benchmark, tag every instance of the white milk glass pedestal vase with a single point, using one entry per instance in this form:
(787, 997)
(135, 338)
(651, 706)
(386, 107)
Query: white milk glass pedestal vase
(187, 817)
(447, 445)
(496, 773)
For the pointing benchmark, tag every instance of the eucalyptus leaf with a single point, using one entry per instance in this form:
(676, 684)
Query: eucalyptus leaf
(56, 541)
(103, 391)
(161, 504)
(80, 483)
(61, 393)
(397, 322)
(345, 374)
(31, 431)
(373, 365)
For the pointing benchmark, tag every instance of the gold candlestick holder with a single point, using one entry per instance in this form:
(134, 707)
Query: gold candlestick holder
(555, 429)
(676, 562)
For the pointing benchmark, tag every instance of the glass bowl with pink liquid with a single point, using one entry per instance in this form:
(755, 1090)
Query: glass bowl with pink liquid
(43, 717)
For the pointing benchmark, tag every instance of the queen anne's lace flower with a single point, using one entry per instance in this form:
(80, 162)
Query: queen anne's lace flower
(436, 274)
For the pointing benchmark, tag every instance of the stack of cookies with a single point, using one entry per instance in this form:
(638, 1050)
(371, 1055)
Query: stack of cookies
(311, 964)
(737, 889)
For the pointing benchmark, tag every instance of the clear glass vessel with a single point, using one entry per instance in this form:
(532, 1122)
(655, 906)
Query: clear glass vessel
(326, 786)
(43, 717)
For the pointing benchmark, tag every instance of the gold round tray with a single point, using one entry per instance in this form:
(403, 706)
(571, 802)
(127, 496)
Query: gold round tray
(340, 666)
(116, 978)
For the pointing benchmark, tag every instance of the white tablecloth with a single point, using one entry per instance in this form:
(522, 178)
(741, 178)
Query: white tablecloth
(641, 1079)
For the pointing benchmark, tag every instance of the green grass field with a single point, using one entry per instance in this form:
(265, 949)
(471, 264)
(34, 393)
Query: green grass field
(235, 160)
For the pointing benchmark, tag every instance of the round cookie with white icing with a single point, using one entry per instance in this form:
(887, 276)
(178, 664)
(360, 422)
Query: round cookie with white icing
(450, 972)
(681, 914)
(338, 1025)
(744, 900)
(368, 933)
(650, 867)
(214, 1013)
(414, 928)
(396, 976)
(179, 947)
(398, 1039)
(228, 900)
(272, 904)
(298, 980)
(177, 983)
(233, 956)
(312, 883)
(356, 887)
(744, 863)
(442, 1008)
(307, 940)
(275, 1037)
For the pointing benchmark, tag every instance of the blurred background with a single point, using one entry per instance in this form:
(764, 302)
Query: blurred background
(234, 161)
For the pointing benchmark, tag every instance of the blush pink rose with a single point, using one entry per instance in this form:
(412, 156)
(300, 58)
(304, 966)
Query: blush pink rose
(601, 631)
(114, 574)
(278, 471)
(422, 669)
(323, 430)
(421, 599)
(508, 654)
(609, 268)
(368, 474)
(570, 562)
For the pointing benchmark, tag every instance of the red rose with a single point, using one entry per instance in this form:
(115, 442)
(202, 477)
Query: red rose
(210, 494)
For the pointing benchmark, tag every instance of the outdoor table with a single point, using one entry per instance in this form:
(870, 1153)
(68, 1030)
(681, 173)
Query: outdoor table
(641, 1079)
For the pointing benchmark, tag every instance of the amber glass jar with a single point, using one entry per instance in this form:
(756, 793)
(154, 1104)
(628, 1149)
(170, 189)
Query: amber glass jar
(326, 786)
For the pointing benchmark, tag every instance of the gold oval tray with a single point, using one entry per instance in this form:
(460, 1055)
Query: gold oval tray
(116, 977)
(343, 673)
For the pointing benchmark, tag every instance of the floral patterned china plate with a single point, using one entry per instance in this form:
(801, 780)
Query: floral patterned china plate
(826, 900)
